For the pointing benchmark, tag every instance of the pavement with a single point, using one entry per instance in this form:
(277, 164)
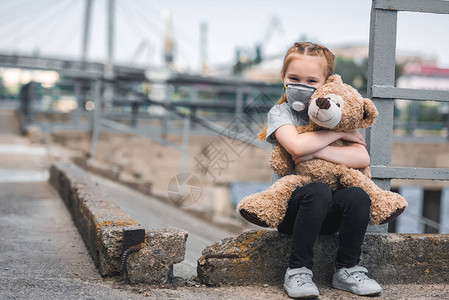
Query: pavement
(44, 257)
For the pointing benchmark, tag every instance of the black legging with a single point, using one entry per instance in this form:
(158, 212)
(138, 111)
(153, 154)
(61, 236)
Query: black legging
(314, 209)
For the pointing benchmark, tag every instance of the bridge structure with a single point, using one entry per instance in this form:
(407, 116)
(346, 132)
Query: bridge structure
(69, 68)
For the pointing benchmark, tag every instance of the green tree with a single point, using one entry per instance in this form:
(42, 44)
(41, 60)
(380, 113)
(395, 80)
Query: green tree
(356, 73)
(352, 73)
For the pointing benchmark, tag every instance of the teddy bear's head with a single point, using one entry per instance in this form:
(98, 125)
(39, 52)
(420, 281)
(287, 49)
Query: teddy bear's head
(340, 107)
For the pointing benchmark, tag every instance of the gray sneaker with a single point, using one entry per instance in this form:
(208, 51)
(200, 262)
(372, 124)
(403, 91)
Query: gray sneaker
(356, 281)
(298, 283)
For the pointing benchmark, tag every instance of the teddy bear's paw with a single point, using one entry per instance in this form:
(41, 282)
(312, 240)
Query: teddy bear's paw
(387, 207)
(399, 203)
(252, 218)
(393, 216)
(262, 209)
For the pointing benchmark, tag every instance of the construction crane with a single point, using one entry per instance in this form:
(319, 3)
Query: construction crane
(242, 58)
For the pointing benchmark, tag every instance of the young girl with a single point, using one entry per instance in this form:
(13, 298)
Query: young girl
(314, 209)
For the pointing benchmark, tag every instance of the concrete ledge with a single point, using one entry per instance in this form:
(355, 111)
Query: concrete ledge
(163, 248)
(259, 257)
(114, 174)
(101, 224)
(145, 187)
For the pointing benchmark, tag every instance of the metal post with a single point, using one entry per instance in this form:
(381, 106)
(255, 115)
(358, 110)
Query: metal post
(96, 122)
(381, 71)
(203, 46)
(444, 211)
(24, 107)
(79, 101)
(166, 115)
(109, 67)
(168, 42)
(109, 71)
(185, 148)
(447, 122)
(31, 93)
(409, 221)
(239, 103)
(193, 110)
(134, 113)
(248, 119)
(193, 98)
(85, 45)
(92, 86)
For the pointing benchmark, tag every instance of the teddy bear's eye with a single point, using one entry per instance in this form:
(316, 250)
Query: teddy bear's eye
(338, 104)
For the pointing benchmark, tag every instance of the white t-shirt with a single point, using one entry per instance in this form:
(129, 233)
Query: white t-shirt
(282, 114)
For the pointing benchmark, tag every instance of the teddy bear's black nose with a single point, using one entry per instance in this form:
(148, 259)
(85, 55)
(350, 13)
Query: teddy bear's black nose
(323, 103)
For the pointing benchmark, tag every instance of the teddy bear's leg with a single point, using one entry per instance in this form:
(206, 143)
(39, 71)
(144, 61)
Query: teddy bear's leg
(267, 208)
(385, 205)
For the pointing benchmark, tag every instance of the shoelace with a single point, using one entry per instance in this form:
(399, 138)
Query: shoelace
(302, 279)
(360, 276)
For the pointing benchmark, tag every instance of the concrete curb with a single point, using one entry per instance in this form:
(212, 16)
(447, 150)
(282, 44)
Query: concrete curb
(137, 184)
(102, 225)
(259, 257)
(144, 187)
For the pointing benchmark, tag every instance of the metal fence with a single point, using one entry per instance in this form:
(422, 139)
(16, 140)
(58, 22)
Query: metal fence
(382, 91)
(238, 113)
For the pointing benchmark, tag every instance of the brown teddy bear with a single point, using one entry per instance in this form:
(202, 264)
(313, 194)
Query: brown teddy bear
(335, 106)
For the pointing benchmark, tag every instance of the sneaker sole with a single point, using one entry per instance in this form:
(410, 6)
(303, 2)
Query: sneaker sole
(297, 296)
(366, 293)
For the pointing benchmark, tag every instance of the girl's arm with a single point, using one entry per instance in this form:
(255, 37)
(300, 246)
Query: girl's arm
(311, 142)
(311, 145)
(353, 156)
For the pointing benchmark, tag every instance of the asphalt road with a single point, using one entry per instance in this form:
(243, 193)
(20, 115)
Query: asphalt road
(42, 253)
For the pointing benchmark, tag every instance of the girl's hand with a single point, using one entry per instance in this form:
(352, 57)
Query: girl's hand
(298, 159)
(353, 136)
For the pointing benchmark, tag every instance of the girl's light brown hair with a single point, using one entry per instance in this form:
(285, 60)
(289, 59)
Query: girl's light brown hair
(303, 48)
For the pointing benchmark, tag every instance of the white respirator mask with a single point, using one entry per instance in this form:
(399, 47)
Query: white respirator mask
(298, 95)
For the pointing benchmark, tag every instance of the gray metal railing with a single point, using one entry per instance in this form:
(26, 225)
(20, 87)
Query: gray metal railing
(382, 91)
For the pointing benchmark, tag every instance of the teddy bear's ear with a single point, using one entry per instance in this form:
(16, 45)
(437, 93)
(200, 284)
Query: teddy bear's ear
(334, 78)
(369, 113)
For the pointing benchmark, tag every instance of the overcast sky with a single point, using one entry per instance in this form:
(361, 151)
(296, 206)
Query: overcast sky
(54, 27)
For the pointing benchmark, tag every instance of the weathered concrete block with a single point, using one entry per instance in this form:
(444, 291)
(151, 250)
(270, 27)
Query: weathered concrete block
(101, 224)
(258, 257)
(92, 213)
(252, 257)
(110, 248)
(153, 263)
